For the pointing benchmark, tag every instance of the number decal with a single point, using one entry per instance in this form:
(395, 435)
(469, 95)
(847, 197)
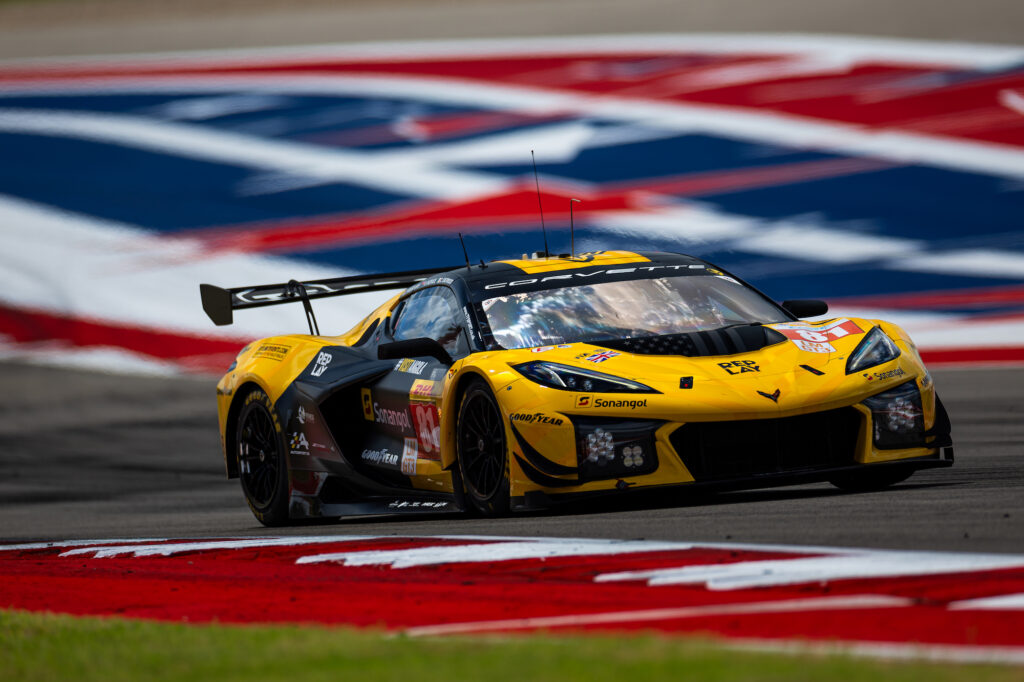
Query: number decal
(428, 430)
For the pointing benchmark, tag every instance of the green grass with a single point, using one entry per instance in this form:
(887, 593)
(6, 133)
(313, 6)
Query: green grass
(50, 647)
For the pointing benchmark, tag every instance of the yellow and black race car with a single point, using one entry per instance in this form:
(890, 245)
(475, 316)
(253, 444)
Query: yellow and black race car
(519, 383)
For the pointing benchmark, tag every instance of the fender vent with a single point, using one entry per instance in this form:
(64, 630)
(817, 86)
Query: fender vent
(726, 341)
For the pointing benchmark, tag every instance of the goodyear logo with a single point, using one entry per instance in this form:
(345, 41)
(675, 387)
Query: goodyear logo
(535, 418)
(367, 405)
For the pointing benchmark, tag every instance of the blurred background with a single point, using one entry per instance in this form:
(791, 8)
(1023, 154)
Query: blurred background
(870, 153)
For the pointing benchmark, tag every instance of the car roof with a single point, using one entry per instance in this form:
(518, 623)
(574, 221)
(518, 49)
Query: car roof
(534, 273)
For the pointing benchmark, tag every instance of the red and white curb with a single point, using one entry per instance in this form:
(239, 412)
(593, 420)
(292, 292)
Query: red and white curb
(890, 604)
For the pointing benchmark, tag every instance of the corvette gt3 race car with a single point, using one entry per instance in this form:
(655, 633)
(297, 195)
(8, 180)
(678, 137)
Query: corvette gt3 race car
(517, 384)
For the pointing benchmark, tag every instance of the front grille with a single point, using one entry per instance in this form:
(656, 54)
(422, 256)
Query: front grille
(720, 450)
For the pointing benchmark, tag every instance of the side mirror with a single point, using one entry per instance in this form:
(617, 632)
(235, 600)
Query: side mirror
(414, 348)
(806, 307)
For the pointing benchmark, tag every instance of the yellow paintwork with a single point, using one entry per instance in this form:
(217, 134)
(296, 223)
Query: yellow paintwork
(583, 260)
(717, 394)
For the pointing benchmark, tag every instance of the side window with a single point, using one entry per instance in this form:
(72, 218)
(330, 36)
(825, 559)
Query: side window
(432, 313)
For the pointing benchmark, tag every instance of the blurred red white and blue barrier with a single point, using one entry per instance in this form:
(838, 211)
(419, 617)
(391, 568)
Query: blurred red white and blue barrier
(886, 177)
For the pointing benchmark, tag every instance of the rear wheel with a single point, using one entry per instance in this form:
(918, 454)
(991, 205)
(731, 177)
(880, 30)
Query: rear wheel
(482, 453)
(870, 479)
(262, 465)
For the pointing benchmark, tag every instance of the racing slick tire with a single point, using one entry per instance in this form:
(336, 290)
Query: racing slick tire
(262, 464)
(482, 451)
(867, 480)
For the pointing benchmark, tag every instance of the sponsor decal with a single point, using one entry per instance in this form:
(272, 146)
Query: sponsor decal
(814, 338)
(304, 417)
(774, 397)
(836, 329)
(272, 351)
(812, 347)
(250, 295)
(631, 404)
(740, 366)
(891, 374)
(399, 418)
(469, 322)
(584, 275)
(410, 366)
(584, 400)
(602, 356)
(298, 444)
(322, 360)
(535, 418)
(545, 349)
(382, 456)
(367, 404)
(421, 389)
(400, 504)
(685, 382)
(727, 278)
(428, 429)
(410, 452)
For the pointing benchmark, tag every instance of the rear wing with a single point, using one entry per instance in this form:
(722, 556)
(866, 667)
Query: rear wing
(220, 303)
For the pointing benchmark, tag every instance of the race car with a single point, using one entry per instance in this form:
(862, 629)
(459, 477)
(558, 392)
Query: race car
(518, 384)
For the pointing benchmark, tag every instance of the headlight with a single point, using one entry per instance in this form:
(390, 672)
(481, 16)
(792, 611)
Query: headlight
(565, 378)
(898, 417)
(875, 349)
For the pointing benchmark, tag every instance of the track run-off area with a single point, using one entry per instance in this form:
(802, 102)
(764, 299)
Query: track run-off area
(884, 176)
(956, 606)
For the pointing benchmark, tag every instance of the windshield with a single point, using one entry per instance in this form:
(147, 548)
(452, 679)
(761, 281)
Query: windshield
(642, 307)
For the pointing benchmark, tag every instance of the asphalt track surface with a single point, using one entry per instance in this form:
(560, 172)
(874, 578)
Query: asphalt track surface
(90, 455)
(37, 28)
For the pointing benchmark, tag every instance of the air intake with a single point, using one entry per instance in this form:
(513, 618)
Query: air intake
(726, 341)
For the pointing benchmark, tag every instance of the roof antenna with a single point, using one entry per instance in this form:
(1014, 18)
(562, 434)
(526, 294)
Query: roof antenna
(572, 231)
(536, 180)
(464, 252)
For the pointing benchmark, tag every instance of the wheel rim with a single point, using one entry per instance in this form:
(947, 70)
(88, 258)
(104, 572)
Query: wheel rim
(258, 460)
(482, 446)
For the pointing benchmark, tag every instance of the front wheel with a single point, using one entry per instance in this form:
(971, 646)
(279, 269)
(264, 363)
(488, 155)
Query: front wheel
(262, 465)
(482, 454)
(866, 480)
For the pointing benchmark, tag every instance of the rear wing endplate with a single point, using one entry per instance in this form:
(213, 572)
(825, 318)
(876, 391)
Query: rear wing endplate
(220, 303)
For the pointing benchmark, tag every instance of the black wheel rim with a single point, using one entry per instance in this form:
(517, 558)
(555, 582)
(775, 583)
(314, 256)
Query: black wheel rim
(258, 460)
(482, 446)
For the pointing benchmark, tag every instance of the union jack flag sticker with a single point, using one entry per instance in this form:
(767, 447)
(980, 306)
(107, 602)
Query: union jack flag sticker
(602, 356)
